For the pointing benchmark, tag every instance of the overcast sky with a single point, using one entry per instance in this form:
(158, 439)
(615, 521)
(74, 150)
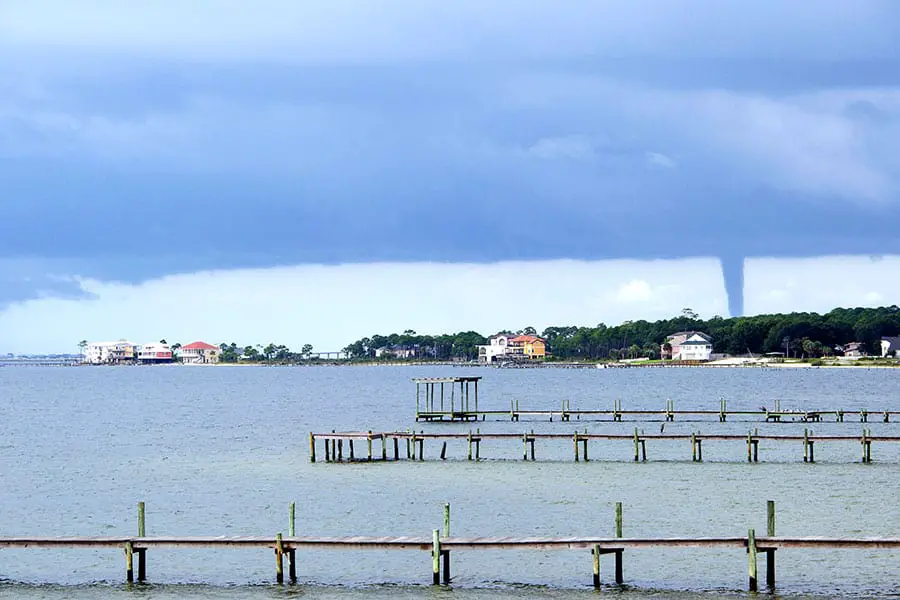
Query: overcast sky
(313, 172)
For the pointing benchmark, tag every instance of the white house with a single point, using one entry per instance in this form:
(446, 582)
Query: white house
(154, 353)
(108, 353)
(497, 347)
(890, 345)
(687, 345)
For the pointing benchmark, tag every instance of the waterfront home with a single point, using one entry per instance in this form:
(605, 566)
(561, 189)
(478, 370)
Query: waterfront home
(890, 346)
(529, 346)
(155, 353)
(507, 346)
(110, 353)
(199, 353)
(495, 348)
(854, 350)
(396, 351)
(687, 345)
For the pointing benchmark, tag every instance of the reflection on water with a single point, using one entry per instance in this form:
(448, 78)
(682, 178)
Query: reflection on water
(222, 451)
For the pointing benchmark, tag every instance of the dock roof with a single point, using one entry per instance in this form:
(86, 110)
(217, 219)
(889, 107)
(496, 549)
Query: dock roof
(444, 379)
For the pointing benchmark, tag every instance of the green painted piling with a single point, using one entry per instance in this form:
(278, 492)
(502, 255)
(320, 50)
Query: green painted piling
(279, 559)
(751, 550)
(292, 511)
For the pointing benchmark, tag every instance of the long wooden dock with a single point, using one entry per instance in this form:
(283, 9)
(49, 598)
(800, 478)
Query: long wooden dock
(342, 446)
(432, 411)
(440, 544)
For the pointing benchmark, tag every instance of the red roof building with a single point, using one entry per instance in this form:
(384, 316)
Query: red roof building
(199, 353)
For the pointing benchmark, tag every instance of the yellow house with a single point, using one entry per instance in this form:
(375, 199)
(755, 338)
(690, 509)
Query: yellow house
(529, 346)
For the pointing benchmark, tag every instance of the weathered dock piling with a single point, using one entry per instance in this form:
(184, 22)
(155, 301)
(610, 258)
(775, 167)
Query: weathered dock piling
(415, 442)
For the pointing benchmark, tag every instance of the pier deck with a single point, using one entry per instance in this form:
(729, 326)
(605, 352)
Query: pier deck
(441, 544)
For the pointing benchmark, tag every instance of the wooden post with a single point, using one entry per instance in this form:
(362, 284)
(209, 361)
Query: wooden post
(421, 448)
(693, 447)
(525, 446)
(469, 455)
(396, 448)
(596, 553)
(644, 450)
(383, 447)
(327, 450)
(292, 557)
(446, 535)
(575, 438)
(444, 451)
(369, 440)
(312, 447)
(770, 554)
(436, 557)
(532, 445)
(585, 442)
(637, 446)
(279, 559)
(619, 576)
(352, 455)
(699, 450)
(749, 447)
(805, 445)
(142, 532)
(340, 450)
(129, 561)
(478, 445)
(751, 550)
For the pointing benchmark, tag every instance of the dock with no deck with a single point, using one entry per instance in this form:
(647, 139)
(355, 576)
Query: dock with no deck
(456, 399)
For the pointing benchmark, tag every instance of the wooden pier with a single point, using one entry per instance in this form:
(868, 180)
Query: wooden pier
(440, 544)
(341, 446)
(432, 410)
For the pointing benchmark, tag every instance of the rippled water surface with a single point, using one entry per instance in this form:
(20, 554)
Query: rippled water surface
(223, 451)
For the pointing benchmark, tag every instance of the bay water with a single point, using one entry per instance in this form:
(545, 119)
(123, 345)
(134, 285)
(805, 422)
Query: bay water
(223, 451)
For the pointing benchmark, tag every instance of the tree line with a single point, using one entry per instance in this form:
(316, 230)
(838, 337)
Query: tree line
(802, 335)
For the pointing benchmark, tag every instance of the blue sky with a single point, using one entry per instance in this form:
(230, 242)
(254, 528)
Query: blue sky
(347, 155)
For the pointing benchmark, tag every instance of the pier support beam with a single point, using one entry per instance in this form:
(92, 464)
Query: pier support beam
(436, 557)
(751, 551)
(279, 559)
(446, 535)
(770, 554)
(142, 552)
(619, 575)
(596, 555)
(129, 562)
